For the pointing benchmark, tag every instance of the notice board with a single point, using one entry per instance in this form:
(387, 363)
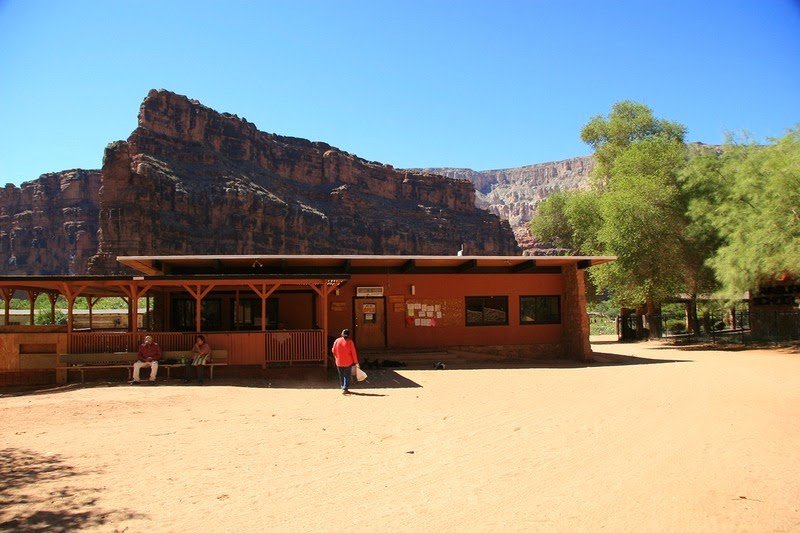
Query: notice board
(433, 312)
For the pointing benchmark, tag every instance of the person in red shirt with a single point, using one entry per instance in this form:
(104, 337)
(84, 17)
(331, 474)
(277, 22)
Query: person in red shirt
(149, 353)
(345, 355)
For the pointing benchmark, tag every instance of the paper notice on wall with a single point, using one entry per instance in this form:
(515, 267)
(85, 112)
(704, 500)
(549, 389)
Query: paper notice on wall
(438, 313)
(410, 310)
(429, 314)
(417, 321)
(437, 308)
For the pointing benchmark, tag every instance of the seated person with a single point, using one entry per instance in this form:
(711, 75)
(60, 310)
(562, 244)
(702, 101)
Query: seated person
(149, 353)
(200, 356)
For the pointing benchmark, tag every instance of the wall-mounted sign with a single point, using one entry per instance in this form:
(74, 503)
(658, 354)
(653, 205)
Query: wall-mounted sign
(369, 292)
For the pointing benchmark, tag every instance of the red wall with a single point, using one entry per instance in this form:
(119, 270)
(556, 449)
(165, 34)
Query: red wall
(444, 286)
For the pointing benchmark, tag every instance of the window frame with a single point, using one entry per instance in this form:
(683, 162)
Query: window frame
(187, 315)
(273, 309)
(538, 323)
(483, 324)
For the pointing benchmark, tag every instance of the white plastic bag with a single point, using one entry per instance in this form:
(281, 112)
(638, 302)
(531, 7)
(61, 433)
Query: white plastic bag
(360, 374)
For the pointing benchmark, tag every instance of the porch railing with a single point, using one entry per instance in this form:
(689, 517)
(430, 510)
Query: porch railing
(123, 341)
(243, 347)
(291, 346)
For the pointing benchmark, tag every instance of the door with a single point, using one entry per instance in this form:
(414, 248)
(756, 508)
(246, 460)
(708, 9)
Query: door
(370, 323)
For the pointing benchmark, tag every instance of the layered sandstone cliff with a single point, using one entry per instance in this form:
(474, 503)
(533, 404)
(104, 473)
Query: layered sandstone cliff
(190, 180)
(514, 193)
(49, 225)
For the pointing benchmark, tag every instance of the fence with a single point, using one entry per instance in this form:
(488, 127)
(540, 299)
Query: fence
(741, 325)
(243, 347)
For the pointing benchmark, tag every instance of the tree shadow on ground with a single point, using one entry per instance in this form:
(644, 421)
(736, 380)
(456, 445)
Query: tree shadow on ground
(36, 495)
(703, 345)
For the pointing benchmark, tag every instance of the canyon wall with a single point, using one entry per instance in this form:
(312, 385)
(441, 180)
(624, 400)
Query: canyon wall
(190, 180)
(49, 225)
(514, 193)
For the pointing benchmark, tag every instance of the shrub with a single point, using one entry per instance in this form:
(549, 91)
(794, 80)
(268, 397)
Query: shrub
(43, 318)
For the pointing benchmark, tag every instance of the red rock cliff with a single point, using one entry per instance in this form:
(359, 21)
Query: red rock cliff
(190, 180)
(49, 225)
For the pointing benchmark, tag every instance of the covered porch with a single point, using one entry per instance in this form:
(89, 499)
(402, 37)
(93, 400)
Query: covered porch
(236, 314)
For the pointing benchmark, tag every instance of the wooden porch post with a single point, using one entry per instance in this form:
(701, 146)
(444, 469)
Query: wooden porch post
(198, 311)
(52, 296)
(7, 295)
(91, 300)
(32, 296)
(325, 293)
(134, 322)
(236, 311)
(264, 294)
(324, 290)
(70, 295)
(198, 293)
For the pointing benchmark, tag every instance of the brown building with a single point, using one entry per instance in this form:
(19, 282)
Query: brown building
(286, 309)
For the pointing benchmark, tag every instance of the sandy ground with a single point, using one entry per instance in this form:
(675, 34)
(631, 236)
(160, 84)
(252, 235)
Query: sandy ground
(662, 440)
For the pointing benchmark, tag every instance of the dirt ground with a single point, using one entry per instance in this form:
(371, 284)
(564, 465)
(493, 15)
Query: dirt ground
(649, 438)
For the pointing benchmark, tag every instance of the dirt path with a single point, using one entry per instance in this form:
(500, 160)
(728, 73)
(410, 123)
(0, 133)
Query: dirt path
(674, 440)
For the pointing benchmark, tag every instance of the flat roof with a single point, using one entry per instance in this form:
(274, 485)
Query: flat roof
(161, 265)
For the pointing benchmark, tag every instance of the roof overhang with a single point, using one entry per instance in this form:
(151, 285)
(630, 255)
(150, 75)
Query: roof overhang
(275, 265)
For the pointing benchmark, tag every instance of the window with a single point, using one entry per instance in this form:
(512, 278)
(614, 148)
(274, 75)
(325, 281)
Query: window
(487, 310)
(249, 314)
(539, 309)
(183, 318)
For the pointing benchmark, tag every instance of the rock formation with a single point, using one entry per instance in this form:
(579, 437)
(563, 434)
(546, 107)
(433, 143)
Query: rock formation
(49, 225)
(514, 193)
(190, 180)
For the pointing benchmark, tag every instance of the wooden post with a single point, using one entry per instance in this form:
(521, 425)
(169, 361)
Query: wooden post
(325, 294)
(134, 306)
(70, 303)
(70, 295)
(32, 296)
(324, 290)
(264, 294)
(91, 300)
(53, 297)
(236, 311)
(198, 293)
(263, 313)
(7, 295)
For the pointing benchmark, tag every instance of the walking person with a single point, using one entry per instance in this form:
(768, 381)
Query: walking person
(200, 356)
(345, 356)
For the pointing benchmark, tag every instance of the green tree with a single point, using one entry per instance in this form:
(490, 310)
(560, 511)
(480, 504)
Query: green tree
(627, 123)
(757, 213)
(642, 223)
(635, 208)
(569, 220)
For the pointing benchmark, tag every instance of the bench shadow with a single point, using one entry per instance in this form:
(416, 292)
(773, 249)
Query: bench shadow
(36, 495)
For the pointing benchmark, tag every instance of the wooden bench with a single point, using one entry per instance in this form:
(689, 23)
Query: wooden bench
(218, 358)
(82, 362)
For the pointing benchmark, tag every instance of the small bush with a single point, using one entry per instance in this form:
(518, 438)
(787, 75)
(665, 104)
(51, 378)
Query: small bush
(677, 328)
(43, 318)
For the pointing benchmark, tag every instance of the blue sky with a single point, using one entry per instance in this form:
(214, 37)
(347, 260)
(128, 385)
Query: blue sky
(479, 84)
